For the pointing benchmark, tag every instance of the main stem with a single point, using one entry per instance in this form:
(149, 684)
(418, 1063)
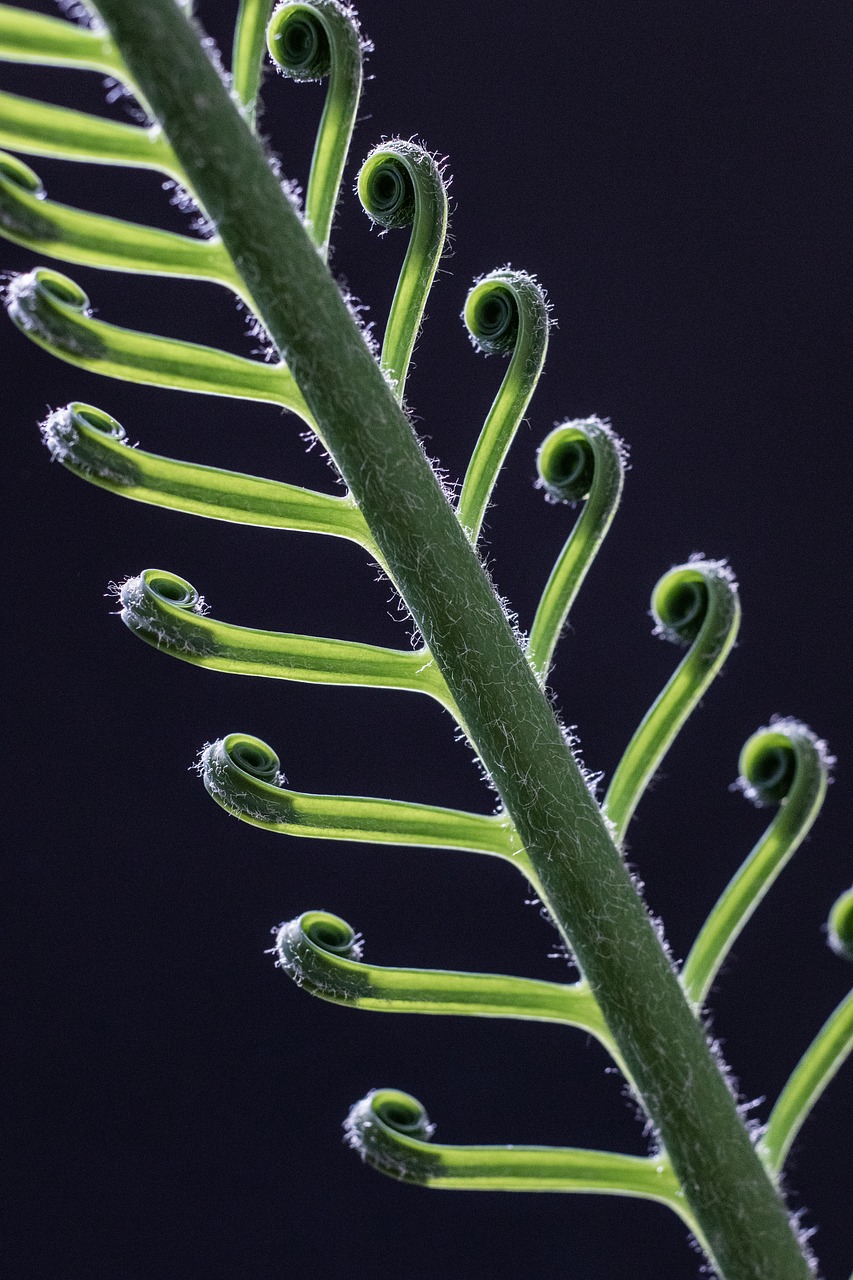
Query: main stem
(511, 724)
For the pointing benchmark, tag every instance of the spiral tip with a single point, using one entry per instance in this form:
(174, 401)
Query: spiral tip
(388, 181)
(243, 774)
(840, 926)
(48, 306)
(387, 1128)
(318, 950)
(301, 37)
(158, 606)
(685, 596)
(499, 304)
(565, 461)
(772, 757)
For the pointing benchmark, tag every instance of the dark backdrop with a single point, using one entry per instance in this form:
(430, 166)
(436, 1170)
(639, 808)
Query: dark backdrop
(677, 177)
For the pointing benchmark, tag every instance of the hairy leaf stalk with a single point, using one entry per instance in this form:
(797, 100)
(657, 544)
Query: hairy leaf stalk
(587, 887)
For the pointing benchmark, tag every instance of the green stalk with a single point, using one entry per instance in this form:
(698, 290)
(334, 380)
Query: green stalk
(28, 218)
(586, 884)
(391, 1131)
(92, 445)
(821, 1061)
(53, 42)
(168, 613)
(39, 129)
(323, 954)
(248, 51)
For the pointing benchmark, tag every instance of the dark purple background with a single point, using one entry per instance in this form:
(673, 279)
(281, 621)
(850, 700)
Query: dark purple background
(677, 176)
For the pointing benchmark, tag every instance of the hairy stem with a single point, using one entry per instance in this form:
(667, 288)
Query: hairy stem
(513, 728)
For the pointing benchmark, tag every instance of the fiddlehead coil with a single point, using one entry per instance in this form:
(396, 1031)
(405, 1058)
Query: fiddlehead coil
(94, 447)
(54, 312)
(309, 41)
(401, 185)
(579, 460)
(243, 775)
(506, 313)
(784, 764)
(840, 926)
(166, 612)
(323, 954)
(391, 1131)
(695, 605)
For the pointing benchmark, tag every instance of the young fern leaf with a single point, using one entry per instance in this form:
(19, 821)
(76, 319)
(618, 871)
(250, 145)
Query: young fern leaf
(53, 42)
(323, 954)
(248, 51)
(391, 1131)
(401, 185)
(28, 218)
(59, 133)
(92, 445)
(818, 1066)
(506, 313)
(695, 604)
(822, 1060)
(54, 312)
(785, 764)
(167, 612)
(579, 461)
(309, 41)
(243, 775)
(551, 827)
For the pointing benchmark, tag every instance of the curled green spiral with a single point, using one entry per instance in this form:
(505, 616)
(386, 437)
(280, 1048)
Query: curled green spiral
(324, 955)
(696, 606)
(581, 460)
(94, 446)
(310, 41)
(785, 764)
(54, 312)
(400, 185)
(566, 462)
(392, 1132)
(21, 195)
(506, 313)
(168, 613)
(298, 41)
(241, 772)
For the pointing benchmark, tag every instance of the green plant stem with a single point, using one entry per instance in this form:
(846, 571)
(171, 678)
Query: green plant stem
(587, 886)
(820, 1062)
(248, 52)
